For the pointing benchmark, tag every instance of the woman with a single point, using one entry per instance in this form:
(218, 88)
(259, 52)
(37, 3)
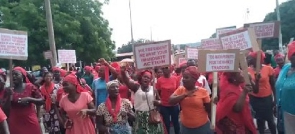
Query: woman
(166, 85)
(75, 107)
(88, 75)
(285, 89)
(115, 112)
(194, 102)
(58, 74)
(280, 60)
(50, 118)
(145, 100)
(5, 94)
(262, 97)
(233, 114)
(25, 96)
(3, 123)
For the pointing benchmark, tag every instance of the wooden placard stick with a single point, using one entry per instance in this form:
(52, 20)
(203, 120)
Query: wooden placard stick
(214, 95)
(244, 67)
(258, 58)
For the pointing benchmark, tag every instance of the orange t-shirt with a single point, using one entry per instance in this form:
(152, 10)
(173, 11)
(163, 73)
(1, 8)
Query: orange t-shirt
(193, 113)
(264, 85)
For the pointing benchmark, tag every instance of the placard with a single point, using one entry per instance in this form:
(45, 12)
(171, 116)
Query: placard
(13, 44)
(224, 30)
(211, 44)
(191, 53)
(177, 57)
(67, 56)
(243, 39)
(265, 29)
(152, 54)
(181, 60)
(219, 60)
(289, 121)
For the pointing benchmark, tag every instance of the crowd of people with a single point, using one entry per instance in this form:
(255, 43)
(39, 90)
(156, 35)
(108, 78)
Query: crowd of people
(112, 99)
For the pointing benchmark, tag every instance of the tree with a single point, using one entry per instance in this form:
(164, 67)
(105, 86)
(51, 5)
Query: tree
(287, 13)
(126, 48)
(78, 24)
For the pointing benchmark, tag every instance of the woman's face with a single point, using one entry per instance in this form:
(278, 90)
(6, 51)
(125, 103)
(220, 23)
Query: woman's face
(159, 73)
(114, 90)
(68, 87)
(17, 77)
(56, 74)
(251, 60)
(188, 81)
(48, 77)
(101, 72)
(166, 71)
(280, 62)
(146, 80)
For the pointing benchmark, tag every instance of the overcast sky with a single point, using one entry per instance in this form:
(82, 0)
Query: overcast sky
(182, 21)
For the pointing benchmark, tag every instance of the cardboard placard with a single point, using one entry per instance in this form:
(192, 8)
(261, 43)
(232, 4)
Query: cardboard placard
(211, 44)
(177, 57)
(152, 54)
(13, 44)
(191, 53)
(67, 56)
(224, 30)
(243, 39)
(219, 60)
(265, 29)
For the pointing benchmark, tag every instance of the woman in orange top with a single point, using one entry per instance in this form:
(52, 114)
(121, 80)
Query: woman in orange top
(194, 102)
(262, 97)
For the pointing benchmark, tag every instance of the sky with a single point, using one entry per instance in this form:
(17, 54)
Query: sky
(181, 21)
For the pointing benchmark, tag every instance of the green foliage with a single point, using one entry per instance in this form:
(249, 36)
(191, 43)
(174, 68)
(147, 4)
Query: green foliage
(126, 48)
(78, 24)
(287, 13)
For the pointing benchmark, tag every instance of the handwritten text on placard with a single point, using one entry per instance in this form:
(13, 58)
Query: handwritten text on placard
(211, 44)
(240, 41)
(264, 30)
(13, 45)
(67, 56)
(192, 53)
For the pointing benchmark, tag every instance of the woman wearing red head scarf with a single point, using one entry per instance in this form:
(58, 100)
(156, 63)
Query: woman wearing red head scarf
(262, 97)
(194, 102)
(23, 118)
(146, 99)
(75, 107)
(88, 75)
(233, 114)
(280, 60)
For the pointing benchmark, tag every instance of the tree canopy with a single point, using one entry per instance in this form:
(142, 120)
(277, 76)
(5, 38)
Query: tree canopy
(78, 25)
(287, 13)
(126, 48)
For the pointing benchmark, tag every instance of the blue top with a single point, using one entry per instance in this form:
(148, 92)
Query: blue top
(99, 88)
(285, 92)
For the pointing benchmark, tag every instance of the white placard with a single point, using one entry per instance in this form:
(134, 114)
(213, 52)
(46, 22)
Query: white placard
(67, 56)
(220, 62)
(220, 31)
(211, 44)
(191, 53)
(154, 54)
(240, 41)
(13, 44)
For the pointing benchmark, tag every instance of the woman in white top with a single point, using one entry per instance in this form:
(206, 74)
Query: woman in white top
(145, 99)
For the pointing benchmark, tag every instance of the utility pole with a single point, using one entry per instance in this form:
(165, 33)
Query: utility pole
(280, 29)
(131, 26)
(50, 33)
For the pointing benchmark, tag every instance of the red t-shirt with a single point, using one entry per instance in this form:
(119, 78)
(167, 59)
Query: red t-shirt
(2, 116)
(123, 90)
(166, 86)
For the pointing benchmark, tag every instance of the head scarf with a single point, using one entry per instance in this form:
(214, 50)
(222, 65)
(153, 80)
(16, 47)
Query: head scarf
(144, 72)
(193, 71)
(88, 69)
(254, 55)
(279, 56)
(71, 78)
(116, 65)
(46, 92)
(291, 49)
(108, 102)
(110, 83)
(62, 72)
(23, 72)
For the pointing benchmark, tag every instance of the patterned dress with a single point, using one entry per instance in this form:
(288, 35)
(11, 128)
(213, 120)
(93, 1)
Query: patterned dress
(50, 119)
(121, 126)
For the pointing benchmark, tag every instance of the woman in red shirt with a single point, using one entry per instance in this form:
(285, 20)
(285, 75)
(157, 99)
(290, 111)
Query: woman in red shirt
(3, 123)
(166, 85)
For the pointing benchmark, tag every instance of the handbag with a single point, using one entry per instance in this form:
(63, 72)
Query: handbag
(154, 115)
